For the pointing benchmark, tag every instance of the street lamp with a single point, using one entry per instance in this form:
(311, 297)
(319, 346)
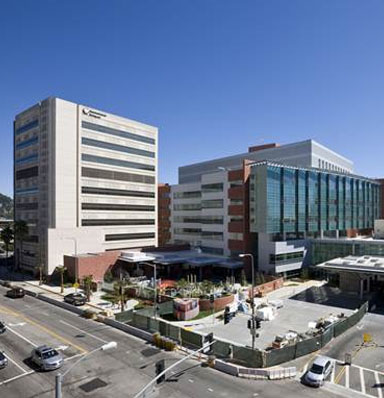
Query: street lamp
(59, 376)
(243, 255)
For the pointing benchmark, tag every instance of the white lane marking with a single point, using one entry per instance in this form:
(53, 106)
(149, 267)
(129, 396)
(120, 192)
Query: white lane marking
(210, 390)
(84, 332)
(305, 367)
(62, 347)
(22, 337)
(190, 380)
(17, 324)
(15, 363)
(362, 381)
(347, 377)
(333, 372)
(16, 377)
(378, 385)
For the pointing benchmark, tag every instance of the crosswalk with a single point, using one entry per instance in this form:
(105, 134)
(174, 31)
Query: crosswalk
(354, 379)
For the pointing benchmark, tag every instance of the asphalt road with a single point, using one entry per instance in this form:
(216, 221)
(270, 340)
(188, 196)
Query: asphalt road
(116, 373)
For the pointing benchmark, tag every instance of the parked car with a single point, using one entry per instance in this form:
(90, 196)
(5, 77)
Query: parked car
(2, 327)
(319, 371)
(3, 360)
(16, 292)
(47, 358)
(75, 298)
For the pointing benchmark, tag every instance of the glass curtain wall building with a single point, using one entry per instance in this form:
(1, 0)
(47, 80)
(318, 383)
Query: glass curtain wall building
(289, 206)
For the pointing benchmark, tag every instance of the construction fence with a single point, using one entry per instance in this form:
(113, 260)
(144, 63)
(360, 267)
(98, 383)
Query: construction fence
(237, 354)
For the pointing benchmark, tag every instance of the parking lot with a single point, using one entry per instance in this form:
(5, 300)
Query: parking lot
(293, 316)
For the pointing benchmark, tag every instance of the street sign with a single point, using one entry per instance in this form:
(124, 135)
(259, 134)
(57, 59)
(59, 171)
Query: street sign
(76, 285)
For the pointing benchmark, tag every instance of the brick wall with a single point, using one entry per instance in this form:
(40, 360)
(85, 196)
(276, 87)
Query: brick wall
(268, 287)
(93, 264)
(220, 303)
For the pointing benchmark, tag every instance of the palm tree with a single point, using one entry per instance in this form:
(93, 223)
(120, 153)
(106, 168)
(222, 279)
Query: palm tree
(87, 282)
(6, 236)
(61, 270)
(119, 294)
(21, 232)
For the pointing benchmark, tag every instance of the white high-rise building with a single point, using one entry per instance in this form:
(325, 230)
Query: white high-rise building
(84, 181)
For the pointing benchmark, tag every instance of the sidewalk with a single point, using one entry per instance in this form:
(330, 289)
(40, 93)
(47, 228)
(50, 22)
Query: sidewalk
(53, 292)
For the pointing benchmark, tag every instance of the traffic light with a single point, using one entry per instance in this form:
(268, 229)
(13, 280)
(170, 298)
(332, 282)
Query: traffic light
(227, 317)
(160, 367)
(258, 323)
(212, 298)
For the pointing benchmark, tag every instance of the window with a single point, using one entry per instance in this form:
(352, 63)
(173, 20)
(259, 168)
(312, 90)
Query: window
(187, 195)
(26, 143)
(115, 147)
(116, 162)
(26, 191)
(212, 204)
(96, 222)
(187, 231)
(27, 173)
(27, 127)
(113, 237)
(236, 202)
(212, 187)
(116, 132)
(187, 206)
(116, 192)
(212, 235)
(116, 175)
(26, 159)
(112, 206)
(286, 258)
(212, 250)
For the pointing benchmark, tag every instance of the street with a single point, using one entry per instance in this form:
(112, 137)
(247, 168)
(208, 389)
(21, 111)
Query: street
(116, 373)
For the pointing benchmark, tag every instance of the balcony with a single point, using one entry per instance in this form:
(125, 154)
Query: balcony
(236, 226)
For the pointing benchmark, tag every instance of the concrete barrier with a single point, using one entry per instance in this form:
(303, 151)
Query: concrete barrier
(61, 304)
(129, 329)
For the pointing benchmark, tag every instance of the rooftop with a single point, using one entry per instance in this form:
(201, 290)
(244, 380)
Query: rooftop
(366, 264)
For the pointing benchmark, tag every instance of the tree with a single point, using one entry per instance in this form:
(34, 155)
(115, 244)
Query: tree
(6, 236)
(119, 294)
(87, 282)
(21, 232)
(61, 270)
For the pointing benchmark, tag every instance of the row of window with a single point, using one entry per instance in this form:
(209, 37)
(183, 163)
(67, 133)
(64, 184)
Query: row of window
(199, 220)
(26, 191)
(116, 175)
(26, 159)
(116, 207)
(212, 250)
(116, 192)
(27, 127)
(116, 162)
(95, 222)
(145, 235)
(26, 206)
(26, 143)
(217, 187)
(27, 173)
(187, 195)
(117, 133)
(116, 147)
(286, 258)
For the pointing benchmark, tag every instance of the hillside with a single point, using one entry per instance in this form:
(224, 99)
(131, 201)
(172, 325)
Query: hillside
(6, 207)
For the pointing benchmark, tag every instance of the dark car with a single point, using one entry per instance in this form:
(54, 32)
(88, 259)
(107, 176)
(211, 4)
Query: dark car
(16, 292)
(75, 298)
(2, 327)
(3, 360)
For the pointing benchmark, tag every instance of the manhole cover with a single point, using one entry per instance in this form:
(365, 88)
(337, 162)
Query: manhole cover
(93, 385)
(148, 352)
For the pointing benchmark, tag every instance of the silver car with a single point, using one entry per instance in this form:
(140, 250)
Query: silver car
(3, 360)
(319, 371)
(47, 358)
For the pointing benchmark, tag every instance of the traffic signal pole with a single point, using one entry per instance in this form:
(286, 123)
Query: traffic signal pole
(142, 393)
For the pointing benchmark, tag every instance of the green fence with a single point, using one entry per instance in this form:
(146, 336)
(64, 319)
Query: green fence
(240, 355)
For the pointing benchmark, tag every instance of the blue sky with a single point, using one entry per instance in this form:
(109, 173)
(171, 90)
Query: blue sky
(215, 76)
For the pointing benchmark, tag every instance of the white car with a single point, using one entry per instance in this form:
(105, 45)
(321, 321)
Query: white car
(319, 371)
